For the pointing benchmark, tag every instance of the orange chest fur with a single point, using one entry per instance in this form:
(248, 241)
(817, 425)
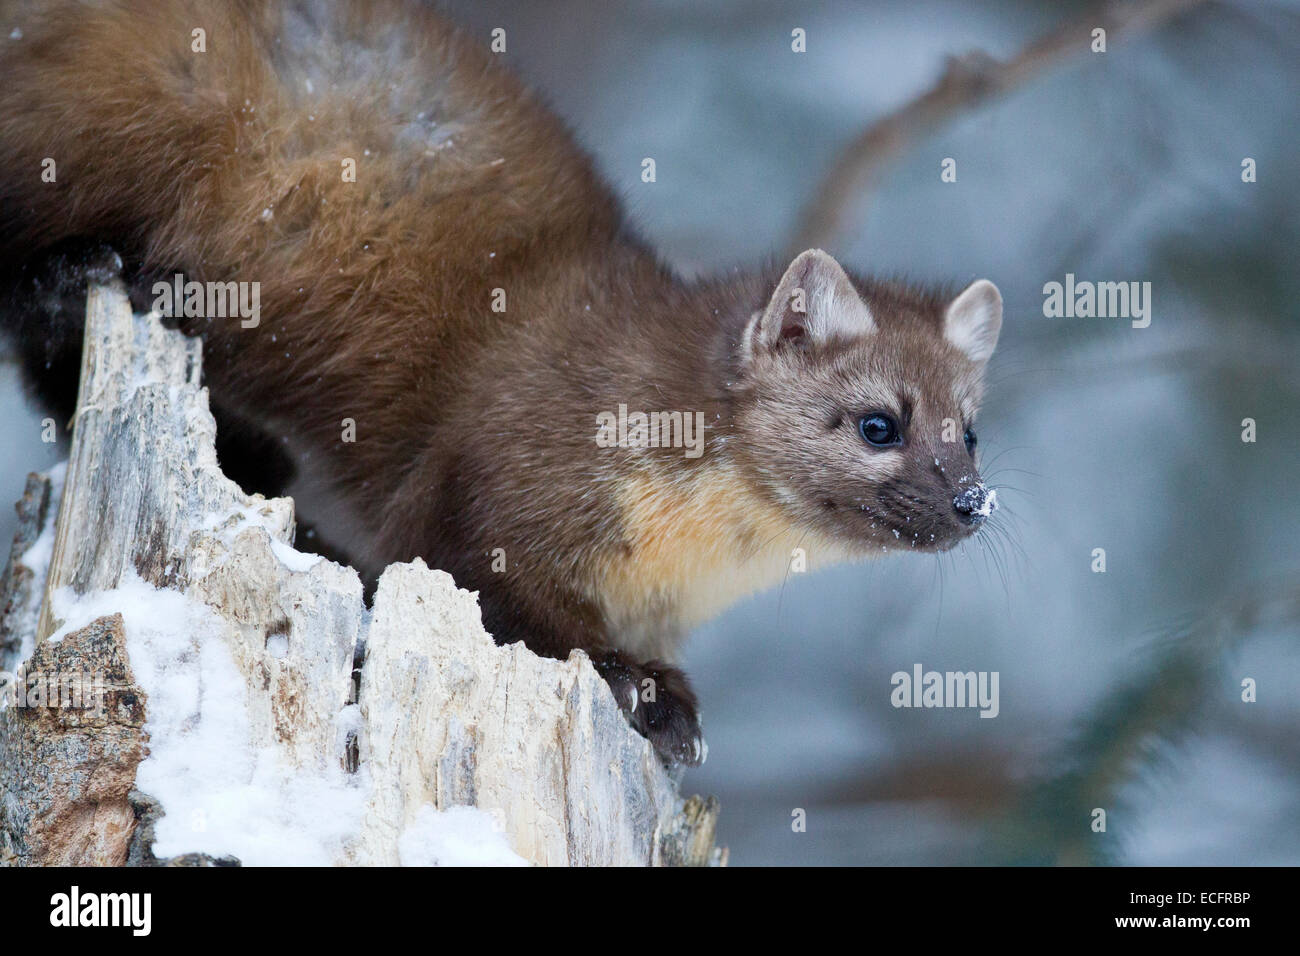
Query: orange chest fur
(691, 546)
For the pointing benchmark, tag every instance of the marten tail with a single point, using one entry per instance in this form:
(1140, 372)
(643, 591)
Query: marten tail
(106, 114)
(86, 83)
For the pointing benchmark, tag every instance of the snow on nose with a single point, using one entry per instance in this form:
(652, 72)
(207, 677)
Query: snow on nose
(976, 502)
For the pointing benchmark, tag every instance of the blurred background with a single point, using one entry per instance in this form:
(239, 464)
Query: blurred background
(1120, 690)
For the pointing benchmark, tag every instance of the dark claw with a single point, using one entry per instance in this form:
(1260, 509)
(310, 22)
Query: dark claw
(657, 700)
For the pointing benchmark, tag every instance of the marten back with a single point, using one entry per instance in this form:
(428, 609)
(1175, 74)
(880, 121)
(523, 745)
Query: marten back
(260, 123)
(231, 164)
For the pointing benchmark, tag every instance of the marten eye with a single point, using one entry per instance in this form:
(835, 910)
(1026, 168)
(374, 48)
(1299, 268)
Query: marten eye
(970, 439)
(879, 429)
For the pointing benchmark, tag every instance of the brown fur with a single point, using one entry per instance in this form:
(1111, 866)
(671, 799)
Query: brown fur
(475, 429)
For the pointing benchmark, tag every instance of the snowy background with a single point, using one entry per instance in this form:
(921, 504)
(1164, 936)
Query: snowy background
(1119, 690)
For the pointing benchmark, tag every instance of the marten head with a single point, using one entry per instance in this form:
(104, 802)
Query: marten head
(856, 406)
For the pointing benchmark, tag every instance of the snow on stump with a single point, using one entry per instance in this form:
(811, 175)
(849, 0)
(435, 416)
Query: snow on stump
(219, 716)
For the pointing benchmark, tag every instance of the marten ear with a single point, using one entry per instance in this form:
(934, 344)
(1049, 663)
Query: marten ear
(973, 320)
(814, 301)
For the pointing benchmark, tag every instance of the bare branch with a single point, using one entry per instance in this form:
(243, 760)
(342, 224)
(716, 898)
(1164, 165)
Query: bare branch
(968, 80)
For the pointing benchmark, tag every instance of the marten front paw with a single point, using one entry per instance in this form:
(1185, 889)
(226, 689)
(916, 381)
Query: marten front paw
(659, 703)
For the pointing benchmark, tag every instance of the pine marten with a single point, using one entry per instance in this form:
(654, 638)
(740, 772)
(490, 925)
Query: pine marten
(607, 453)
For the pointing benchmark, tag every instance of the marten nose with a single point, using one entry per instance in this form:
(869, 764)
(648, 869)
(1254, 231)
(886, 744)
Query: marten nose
(975, 503)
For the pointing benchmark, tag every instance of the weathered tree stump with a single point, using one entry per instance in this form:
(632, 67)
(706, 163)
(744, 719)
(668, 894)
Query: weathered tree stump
(225, 722)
